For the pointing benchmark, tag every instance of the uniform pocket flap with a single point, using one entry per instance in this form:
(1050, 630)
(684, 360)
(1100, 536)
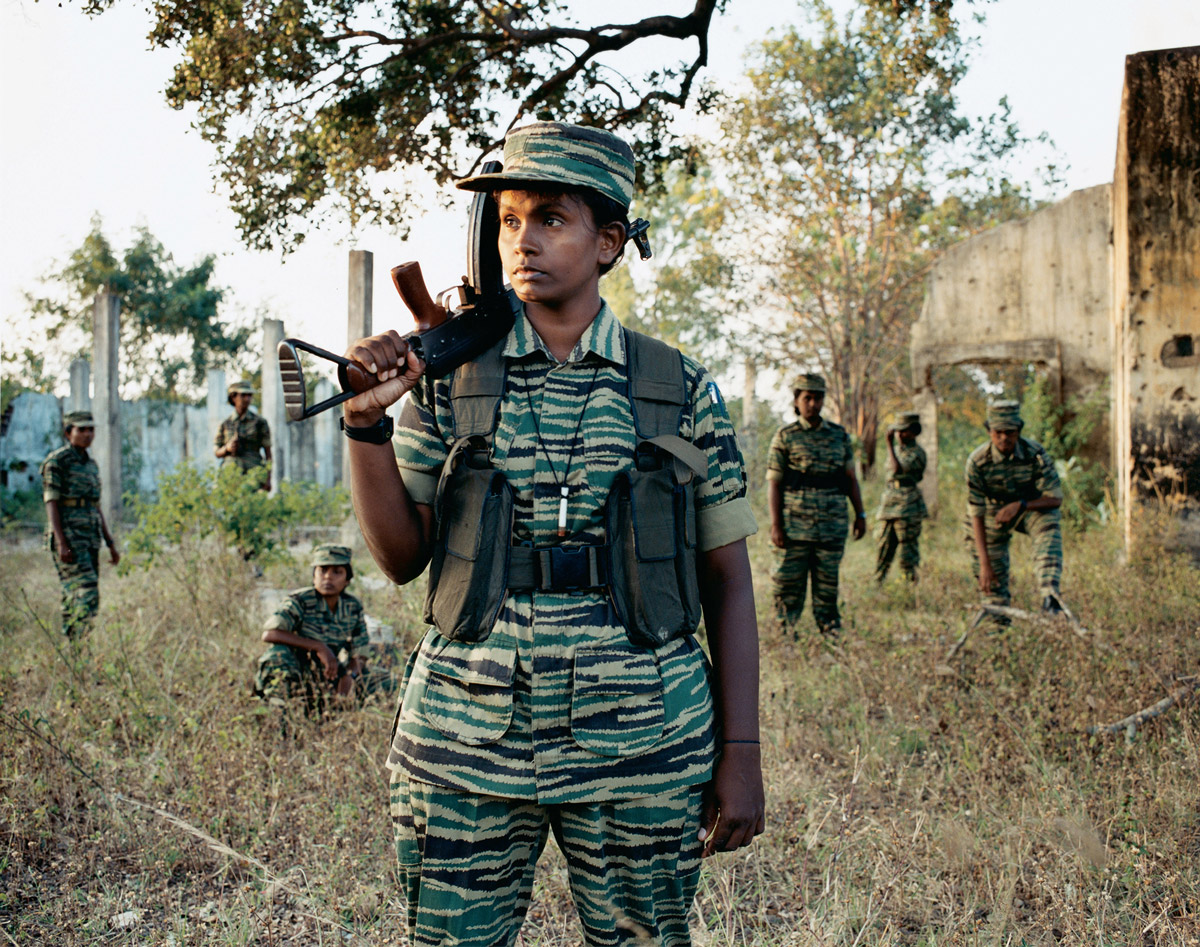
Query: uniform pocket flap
(616, 701)
(469, 693)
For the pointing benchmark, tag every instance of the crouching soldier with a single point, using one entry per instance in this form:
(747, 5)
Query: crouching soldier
(902, 507)
(1012, 487)
(309, 634)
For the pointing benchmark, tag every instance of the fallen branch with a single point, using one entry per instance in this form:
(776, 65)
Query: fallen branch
(958, 645)
(1131, 723)
(1046, 621)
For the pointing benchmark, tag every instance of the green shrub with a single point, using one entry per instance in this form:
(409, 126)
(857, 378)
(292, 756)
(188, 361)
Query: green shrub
(1064, 429)
(223, 503)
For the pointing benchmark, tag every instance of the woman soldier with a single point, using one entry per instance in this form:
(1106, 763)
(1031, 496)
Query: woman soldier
(75, 524)
(580, 493)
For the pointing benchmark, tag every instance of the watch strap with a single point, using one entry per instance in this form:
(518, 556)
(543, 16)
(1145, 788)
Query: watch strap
(378, 433)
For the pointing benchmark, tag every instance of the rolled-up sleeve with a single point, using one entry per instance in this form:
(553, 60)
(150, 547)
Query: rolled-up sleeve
(723, 513)
(976, 497)
(287, 617)
(420, 447)
(52, 481)
(1048, 484)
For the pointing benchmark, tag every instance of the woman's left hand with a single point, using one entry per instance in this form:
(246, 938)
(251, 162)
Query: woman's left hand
(734, 802)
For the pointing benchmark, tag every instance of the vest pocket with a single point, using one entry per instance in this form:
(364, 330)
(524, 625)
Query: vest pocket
(650, 521)
(616, 701)
(470, 698)
(468, 573)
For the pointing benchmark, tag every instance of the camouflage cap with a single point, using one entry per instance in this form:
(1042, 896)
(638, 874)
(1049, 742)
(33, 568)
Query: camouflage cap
(905, 420)
(557, 153)
(1004, 416)
(330, 554)
(808, 381)
(79, 419)
(242, 387)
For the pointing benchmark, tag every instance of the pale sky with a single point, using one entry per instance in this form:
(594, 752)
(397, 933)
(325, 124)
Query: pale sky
(84, 129)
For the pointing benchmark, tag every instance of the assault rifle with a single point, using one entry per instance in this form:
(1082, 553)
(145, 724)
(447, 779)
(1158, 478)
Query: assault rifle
(465, 322)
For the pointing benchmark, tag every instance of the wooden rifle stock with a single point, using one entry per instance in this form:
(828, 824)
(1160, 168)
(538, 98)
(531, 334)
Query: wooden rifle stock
(410, 284)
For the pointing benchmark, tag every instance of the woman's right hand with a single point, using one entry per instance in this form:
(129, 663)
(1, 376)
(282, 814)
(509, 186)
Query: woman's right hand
(397, 369)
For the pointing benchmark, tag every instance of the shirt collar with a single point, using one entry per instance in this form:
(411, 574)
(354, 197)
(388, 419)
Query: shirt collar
(999, 458)
(603, 337)
(804, 425)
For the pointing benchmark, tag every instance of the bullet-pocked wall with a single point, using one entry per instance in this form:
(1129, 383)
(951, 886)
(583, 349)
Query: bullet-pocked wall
(1156, 289)
(1037, 291)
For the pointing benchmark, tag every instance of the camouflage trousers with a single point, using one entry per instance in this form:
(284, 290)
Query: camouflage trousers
(467, 863)
(795, 564)
(904, 534)
(80, 589)
(286, 673)
(1044, 528)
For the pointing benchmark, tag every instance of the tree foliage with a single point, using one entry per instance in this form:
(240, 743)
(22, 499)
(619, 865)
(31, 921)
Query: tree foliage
(310, 103)
(682, 294)
(855, 168)
(171, 328)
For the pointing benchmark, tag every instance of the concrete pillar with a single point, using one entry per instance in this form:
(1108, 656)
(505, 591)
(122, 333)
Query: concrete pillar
(106, 402)
(272, 403)
(80, 398)
(358, 313)
(216, 408)
(325, 438)
(1156, 294)
(925, 404)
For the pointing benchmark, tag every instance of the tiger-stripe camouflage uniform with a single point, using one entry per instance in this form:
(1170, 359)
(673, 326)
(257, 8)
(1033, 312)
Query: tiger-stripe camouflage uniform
(285, 672)
(253, 434)
(995, 480)
(71, 477)
(809, 461)
(902, 507)
(556, 721)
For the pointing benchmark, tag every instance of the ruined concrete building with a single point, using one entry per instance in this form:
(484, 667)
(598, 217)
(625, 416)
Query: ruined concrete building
(1102, 287)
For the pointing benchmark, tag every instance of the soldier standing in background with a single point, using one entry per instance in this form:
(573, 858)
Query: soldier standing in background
(309, 630)
(74, 523)
(1012, 486)
(902, 507)
(244, 438)
(810, 472)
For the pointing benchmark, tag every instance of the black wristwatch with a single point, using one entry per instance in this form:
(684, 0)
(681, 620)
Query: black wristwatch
(378, 433)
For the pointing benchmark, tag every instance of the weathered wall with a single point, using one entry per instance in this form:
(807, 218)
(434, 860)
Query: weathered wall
(1035, 290)
(1156, 287)
(1043, 279)
(32, 428)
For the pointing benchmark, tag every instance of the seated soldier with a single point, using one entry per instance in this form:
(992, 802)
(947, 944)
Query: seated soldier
(310, 631)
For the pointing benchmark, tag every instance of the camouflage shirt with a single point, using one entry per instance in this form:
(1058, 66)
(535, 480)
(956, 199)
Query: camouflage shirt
(811, 513)
(556, 705)
(305, 613)
(253, 434)
(994, 480)
(902, 497)
(71, 477)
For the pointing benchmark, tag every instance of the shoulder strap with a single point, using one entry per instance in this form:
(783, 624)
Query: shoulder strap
(656, 385)
(658, 398)
(476, 388)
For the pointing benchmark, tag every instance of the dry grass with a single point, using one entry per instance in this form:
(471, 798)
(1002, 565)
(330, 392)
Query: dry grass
(911, 800)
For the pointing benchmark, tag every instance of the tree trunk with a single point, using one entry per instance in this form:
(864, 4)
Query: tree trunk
(749, 432)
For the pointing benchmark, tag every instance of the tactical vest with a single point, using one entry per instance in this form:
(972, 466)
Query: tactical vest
(647, 564)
